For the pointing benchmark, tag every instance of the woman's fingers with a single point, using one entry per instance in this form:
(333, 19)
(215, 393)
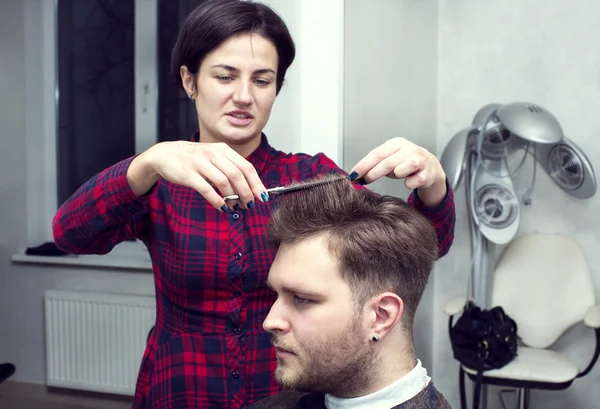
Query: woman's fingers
(231, 181)
(195, 181)
(252, 180)
(371, 167)
(208, 167)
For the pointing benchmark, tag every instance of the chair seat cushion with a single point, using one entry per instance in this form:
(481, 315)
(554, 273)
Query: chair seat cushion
(536, 365)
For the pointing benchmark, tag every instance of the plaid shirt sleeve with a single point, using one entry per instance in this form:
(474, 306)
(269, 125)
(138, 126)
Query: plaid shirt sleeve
(442, 216)
(101, 213)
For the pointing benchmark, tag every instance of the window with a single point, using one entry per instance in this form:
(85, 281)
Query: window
(116, 95)
(145, 31)
(98, 90)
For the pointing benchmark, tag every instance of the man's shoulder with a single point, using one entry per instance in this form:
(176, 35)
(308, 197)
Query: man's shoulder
(428, 398)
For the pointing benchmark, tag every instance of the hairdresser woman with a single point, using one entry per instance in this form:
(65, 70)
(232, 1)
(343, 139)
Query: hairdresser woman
(211, 258)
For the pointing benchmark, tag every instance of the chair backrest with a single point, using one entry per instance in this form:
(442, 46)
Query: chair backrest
(543, 282)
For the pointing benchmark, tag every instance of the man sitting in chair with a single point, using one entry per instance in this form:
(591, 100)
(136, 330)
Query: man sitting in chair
(350, 270)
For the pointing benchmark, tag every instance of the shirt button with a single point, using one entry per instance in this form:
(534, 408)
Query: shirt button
(236, 216)
(238, 256)
(237, 331)
(235, 374)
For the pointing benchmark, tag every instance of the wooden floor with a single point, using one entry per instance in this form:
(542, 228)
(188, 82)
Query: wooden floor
(16, 395)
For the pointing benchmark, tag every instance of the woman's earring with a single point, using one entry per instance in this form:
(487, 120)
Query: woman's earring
(375, 338)
(191, 97)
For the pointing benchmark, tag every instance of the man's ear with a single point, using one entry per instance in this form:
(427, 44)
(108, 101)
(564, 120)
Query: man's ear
(387, 310)
(188, 80)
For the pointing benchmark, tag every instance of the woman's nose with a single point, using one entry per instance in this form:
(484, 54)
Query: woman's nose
(243, 93)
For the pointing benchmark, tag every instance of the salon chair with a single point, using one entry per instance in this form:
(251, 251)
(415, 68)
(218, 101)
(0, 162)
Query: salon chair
(543, 282)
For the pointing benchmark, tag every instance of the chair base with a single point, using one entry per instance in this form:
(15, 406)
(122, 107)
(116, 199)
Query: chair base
(522, 398)
(522, 388)
(517, 384)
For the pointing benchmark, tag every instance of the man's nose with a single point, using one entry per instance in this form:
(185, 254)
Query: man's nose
(275, 320)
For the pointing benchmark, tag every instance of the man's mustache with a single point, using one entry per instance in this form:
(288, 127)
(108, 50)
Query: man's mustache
(276, 342)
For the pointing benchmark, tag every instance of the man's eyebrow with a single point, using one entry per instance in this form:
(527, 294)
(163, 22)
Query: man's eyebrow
(301, 291)
(298, 290)
(236, 70)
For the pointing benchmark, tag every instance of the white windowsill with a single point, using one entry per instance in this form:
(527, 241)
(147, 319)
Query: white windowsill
(110, 260)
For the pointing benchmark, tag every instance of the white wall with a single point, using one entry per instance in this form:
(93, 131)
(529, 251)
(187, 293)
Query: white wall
(546, 52)
(390, 68)
(307, 116)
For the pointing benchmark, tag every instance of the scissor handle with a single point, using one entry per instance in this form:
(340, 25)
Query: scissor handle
(231, 197)
(269, 191)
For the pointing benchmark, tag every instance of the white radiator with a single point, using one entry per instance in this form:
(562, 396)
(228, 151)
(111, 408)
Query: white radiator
(94, 341)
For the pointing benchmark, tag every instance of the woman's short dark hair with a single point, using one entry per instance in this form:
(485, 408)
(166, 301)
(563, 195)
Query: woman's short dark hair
(215, 21)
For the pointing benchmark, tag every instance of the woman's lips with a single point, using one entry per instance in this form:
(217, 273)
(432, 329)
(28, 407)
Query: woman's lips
(239, 118)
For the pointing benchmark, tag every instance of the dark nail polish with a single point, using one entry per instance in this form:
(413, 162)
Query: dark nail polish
(264, 196)
(250, 204)
(353, 176)
(224, 208)
(361, 181)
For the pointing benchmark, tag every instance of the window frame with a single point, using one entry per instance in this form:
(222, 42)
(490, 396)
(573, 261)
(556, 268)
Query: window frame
(42, 97)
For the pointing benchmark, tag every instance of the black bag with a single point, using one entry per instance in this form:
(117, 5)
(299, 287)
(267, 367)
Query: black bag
(483, 340)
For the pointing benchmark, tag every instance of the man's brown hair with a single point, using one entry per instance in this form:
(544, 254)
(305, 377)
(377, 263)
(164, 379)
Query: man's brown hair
(382, 244)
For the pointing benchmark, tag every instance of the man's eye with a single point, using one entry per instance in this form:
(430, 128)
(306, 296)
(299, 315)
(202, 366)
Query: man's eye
(301, 300)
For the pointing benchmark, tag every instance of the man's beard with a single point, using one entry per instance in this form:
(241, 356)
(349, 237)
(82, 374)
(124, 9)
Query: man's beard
(342, 366)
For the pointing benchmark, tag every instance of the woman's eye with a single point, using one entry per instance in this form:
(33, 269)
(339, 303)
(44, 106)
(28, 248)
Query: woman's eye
(262, 82)
(225, 77)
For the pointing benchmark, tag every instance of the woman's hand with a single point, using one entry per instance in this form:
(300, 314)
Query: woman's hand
(399, 158)
(200, 166)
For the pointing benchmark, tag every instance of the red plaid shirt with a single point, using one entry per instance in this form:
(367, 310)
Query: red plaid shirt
(208, 348)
